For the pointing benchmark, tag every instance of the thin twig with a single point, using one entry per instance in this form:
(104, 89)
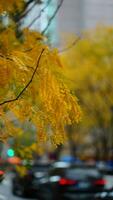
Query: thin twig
(39, 15)
(7, 58)
(22, 12)
(26, 13)
(71, 45)
(27, 85)
(52, 17)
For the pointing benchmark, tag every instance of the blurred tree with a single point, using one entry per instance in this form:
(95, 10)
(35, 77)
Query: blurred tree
(90, 68)
(31, 78)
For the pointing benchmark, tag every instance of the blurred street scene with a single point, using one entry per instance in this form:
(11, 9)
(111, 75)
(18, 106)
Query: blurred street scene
(42, 162)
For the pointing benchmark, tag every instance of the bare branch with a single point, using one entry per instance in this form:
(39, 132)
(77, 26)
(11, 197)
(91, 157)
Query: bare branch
(17, 19)
(39, 15)
(27, 85)
(52, 17)
(26, 13)
(71, 45)
(28, 3)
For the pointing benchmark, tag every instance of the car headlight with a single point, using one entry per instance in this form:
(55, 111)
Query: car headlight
(39, 174)
(54, 178)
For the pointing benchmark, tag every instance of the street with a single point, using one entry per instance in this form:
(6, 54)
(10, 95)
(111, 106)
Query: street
(6, 194)
(5, 190)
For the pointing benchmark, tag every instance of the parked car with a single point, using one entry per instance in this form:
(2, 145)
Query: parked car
(28, 184)
(2, 171)
(105, 167)
(67, 182)
(107, 194)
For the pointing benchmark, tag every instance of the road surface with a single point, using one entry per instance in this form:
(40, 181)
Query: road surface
(6, 194)
(5, 190)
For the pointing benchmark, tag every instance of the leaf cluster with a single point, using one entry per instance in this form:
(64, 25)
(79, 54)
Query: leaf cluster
(31, 84)
(90, 70)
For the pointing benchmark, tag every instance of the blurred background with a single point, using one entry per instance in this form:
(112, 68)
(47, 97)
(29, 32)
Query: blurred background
(82, 30)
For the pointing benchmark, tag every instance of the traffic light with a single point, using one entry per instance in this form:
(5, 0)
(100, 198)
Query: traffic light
(10, 152)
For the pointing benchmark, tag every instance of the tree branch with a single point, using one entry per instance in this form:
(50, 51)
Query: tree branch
(27, 85)
(24, 9)
(52, 17)
(39, 15)
(25, 13)
(10, 59)
(71, 45)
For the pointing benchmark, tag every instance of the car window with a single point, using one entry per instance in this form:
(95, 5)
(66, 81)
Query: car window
(39, 168)
(57, 172)
(82, 173)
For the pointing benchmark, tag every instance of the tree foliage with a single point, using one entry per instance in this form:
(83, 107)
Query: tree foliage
(31, 81)
(90, 68)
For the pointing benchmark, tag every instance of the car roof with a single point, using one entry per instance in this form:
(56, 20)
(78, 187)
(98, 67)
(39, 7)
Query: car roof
(62, 165)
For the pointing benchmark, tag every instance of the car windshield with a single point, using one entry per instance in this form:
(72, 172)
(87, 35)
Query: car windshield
(40, 168)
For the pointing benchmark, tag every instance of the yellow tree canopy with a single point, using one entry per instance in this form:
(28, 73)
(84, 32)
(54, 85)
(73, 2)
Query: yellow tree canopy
(32, 85)
(10, 5)
(90, 68)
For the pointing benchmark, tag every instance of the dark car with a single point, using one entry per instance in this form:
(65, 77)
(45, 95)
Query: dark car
(71, 182)
(2, 173)
(107, 194)
(28, 185)
(2, 170)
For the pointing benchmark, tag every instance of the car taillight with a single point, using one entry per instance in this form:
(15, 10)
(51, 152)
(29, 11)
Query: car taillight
(1, 172)
(64, 181)
(100, 182)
